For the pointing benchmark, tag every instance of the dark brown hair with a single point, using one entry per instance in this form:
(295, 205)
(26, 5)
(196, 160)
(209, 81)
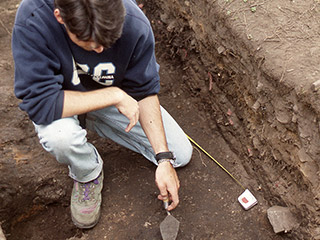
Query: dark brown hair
(97, 20)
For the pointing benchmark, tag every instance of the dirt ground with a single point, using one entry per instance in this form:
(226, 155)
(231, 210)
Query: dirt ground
(35, 189)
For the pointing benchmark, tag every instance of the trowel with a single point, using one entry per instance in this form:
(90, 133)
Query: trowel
(169, 227)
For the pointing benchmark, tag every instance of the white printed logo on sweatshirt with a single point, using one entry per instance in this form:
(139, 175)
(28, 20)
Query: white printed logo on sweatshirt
(103, 73)
(75, 77)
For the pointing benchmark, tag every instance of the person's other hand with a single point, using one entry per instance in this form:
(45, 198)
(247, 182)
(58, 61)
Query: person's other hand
(129, 107)
(168, 183)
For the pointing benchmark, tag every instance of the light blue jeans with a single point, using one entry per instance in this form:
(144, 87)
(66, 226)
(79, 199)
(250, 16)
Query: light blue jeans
(66, 140)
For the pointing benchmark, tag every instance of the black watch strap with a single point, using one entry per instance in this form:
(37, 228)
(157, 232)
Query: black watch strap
(165, 155)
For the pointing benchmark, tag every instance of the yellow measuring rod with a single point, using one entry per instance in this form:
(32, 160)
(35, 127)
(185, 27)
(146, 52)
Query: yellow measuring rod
(194, 142)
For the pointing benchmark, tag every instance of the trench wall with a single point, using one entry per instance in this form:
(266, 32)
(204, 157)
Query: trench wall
(264, 106)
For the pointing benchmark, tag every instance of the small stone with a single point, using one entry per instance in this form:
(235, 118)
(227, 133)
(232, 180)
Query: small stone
(147, 224)
(303, 156)
(316, 233)
(281, 219)
(256, 106)
(315, 86)
(2, 237)
(174, 95)
(260, 87)
(221, 49)
(164, 17)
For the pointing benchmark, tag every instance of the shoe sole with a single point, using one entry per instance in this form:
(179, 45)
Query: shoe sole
(84, 226)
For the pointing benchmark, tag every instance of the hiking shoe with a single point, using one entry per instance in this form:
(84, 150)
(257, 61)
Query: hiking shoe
(86, 202)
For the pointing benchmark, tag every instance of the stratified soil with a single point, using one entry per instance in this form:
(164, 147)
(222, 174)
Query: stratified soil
(238, 106)
(254, 65)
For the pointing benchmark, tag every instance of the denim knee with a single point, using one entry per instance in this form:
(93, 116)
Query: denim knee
(61, 136)
(183, 154)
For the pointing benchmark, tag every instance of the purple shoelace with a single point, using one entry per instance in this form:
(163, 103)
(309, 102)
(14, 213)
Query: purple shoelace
(87, 189)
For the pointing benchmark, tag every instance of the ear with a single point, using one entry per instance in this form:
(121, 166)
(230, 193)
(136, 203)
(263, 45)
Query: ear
(56, 13)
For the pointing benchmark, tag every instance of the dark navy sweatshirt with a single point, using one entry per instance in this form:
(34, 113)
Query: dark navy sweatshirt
(47, 62)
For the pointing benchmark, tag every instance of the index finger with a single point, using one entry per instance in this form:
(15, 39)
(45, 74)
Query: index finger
(174, 198)
(130, 126)
(133, 122)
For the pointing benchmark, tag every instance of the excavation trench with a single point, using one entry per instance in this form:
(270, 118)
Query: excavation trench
(264, 108)
(265, 131)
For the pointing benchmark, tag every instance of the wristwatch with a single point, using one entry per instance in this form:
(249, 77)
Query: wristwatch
(165, 157)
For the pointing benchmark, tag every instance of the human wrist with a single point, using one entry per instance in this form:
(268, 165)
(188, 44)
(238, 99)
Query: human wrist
(165, 160)
(119, 95)
(165, 156)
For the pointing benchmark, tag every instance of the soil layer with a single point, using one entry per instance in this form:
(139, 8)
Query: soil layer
(258, 60)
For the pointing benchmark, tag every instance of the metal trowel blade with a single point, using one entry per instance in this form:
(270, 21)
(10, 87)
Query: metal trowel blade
(169, 228)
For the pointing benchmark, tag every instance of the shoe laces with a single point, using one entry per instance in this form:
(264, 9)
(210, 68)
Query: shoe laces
(87, 188)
